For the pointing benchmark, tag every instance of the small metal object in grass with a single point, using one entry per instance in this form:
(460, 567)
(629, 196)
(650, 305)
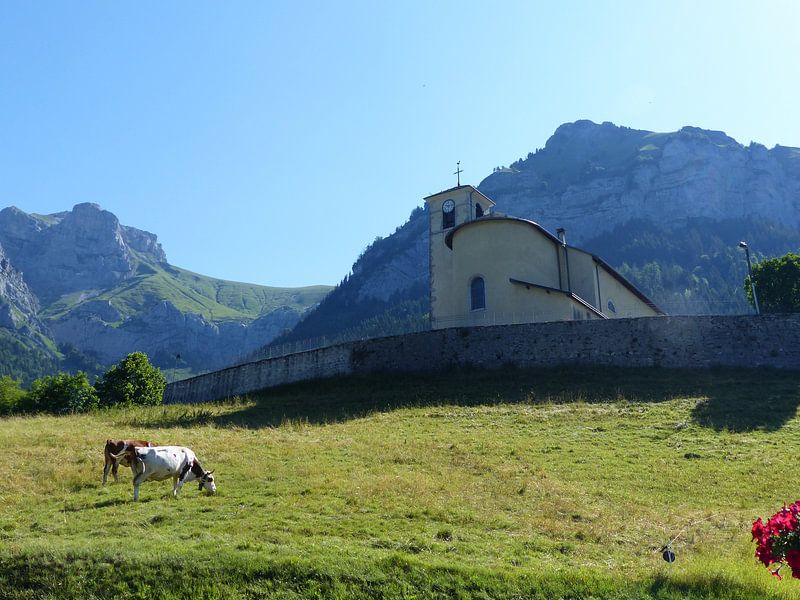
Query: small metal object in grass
(667, 554)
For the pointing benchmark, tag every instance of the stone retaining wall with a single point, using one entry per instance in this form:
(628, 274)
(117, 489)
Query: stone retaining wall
(695, 342)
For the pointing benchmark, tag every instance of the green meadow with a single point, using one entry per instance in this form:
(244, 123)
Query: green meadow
(468, 484)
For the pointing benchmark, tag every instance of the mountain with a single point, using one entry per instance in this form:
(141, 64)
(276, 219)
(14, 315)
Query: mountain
(86, 290)
(666, 209)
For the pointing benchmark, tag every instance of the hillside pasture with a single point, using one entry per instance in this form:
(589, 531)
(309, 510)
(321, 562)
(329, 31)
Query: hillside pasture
(515, 483)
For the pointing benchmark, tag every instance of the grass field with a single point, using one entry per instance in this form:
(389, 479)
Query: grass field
(471, 484)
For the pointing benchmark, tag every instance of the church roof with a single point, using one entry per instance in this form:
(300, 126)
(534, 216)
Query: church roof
(634, 290)
(459, 188)
(449, 237)
(611, 270)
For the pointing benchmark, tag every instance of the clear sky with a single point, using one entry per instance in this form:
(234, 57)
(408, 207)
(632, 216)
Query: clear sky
(270, 142)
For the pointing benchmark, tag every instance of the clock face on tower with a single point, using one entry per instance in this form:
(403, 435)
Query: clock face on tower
(448, 206)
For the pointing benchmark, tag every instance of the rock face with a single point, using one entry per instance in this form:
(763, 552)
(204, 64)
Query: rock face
(592, 178)
(86, 248)
(19, 306)
(164, 332)
(389, 269)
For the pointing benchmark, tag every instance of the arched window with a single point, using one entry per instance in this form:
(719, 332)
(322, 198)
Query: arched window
(448, 214)
(477, 293)
(478, 211)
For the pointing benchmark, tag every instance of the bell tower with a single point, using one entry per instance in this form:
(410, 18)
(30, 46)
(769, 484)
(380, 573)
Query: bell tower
(448, 210)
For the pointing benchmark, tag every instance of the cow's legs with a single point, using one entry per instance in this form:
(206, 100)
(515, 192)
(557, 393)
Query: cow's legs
(137, 480)
(177, 484)
(114, 467)
(106, 467)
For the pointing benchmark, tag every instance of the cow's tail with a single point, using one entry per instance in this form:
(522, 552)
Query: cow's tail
(137, 460)
(120, 455)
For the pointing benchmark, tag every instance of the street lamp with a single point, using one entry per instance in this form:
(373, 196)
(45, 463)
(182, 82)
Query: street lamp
(175, 366)
(743, 244)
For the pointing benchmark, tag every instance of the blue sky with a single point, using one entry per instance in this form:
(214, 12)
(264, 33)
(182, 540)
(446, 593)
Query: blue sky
(271, 142)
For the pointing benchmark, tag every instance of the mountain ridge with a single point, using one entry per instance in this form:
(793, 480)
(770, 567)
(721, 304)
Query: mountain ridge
(84, 282)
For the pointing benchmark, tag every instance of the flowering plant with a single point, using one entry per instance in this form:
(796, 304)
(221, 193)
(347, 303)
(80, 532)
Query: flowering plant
(779, 539)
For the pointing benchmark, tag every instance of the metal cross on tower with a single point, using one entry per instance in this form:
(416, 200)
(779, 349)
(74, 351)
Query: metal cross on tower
(458, 172)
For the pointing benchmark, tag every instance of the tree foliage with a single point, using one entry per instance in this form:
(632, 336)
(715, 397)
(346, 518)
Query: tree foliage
(11, 394)
(777, 284)
(134, 381)
(62, 393)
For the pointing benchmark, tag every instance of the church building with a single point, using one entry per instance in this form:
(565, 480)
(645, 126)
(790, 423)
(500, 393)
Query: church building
(492, 269)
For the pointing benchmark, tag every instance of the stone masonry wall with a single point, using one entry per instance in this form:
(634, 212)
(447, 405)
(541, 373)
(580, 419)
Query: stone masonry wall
(694, 342)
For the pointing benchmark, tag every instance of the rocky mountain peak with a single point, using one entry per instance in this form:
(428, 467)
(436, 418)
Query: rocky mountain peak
(85, 248)
(719, 138)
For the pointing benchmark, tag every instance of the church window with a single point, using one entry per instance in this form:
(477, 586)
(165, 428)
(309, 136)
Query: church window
(448, 214)
(478, 211)
(477, 293)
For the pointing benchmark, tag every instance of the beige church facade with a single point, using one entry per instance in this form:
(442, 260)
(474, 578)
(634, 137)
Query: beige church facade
(489, 269)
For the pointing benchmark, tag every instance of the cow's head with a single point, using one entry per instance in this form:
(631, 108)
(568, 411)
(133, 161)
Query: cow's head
(207, 481)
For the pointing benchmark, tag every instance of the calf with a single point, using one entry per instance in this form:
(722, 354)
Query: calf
(118, 448)
(162, 462)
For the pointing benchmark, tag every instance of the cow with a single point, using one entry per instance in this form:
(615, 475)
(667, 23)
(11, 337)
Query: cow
(162, 462)
(119, 447)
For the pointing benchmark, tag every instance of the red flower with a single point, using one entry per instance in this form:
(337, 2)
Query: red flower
(793, 560)
(764, 554)
(759, 531)
(781, 521)
(778, 540)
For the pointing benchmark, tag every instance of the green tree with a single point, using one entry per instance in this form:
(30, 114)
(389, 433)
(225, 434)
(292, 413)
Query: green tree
(62, 393)
(134, 381)
(777, 284)
(11, 395)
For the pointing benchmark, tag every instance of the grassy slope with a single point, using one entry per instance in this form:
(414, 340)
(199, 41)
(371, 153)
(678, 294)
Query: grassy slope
(548, 484)
(215, 299)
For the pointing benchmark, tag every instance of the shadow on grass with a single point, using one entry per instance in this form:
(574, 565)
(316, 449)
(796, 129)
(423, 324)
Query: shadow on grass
(728, 399)
(100, 504)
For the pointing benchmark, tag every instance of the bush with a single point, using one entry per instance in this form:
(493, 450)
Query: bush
(62, 393)
(134, 381)
(10, 395)
(777, 284)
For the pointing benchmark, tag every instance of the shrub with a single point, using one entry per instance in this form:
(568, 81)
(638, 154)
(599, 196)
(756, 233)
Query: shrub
(777, 284)
(134, 381)
(10, 395)
(62, 393)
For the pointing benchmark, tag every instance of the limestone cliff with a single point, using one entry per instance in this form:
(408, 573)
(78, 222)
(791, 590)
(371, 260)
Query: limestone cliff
(86, 248)
(592, 178)
(19, 306)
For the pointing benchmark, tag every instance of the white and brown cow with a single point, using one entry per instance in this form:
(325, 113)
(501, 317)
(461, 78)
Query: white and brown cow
(118, 448)
(162, 462)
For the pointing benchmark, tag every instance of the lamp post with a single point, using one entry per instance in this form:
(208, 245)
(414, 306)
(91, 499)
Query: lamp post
(743, 244)
(175, 366)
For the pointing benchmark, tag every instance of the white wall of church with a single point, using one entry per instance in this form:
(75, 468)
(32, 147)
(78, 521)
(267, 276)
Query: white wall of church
(583, 275)
(499, 250)
(626, 303)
